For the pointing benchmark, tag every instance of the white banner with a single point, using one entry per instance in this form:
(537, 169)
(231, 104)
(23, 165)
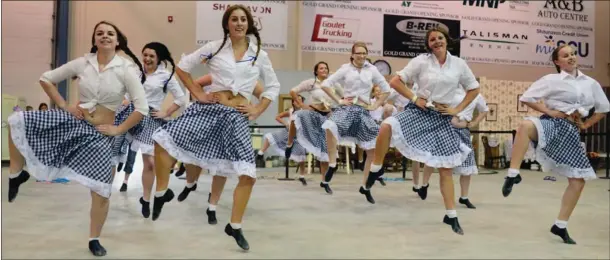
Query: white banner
(334, 26)
(270, 17)
(509, 32)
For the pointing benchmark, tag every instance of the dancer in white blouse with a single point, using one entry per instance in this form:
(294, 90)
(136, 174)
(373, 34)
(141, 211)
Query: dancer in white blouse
(568, 95)
(159, 83)
(462, 122)
(351, 121)
(307, 123)
(213, 132)
(423, 132)
(75, 141)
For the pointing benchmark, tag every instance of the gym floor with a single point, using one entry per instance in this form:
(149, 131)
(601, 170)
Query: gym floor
(287, 220)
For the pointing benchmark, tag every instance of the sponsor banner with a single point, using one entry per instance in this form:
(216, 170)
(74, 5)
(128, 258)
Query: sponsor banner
(270, 18)
(509, 45)
(405, 36)
(334, 26)
(544, 44)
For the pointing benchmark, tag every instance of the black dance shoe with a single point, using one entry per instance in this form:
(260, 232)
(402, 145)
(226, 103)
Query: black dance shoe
(563, 233)
(455, 225)
(96, 248)
(238, 235)
(507, 188)
(14, 183)
(367, 194)
(159, 201)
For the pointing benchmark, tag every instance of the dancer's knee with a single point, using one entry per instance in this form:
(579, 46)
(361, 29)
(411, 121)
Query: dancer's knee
(246, 180)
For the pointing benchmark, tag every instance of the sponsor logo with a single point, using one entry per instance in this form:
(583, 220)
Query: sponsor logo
(562, 33)
(418, 27)
(567, 10)
(550, 43)
(519, 5)
(495, 40)
(332, 29)
(421, 5)
(484, 3)
(253, 9)
(406, 3)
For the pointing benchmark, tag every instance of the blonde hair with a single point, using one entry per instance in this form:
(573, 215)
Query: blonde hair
(358, 44)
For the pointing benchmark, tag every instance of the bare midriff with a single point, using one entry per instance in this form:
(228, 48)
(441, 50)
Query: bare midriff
(227, 98)
(101, 116)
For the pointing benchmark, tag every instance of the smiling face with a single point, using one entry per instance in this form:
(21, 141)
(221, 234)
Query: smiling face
(237, 23)
(105, 37)
(322, 70)
(359, 54)
(565, 58)
(150, 59)
(437, 43)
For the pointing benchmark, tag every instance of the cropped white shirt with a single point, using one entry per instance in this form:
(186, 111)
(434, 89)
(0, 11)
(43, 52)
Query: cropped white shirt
(153, 87)
(238, 77)
(316, 93)
(106, 88)
(439, 83)
(357, 83)
(568, 94)
(477, 103)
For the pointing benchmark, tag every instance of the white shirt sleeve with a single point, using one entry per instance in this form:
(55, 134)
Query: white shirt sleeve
(135, 89)
(536, 92)
(189, 62)
(176, 90)
(482, 104)
(380, 81)
(601, 100)
(467, 78)
(335, 78)
(305, 85)
(66, 71)
(268, 76)
(411, 71)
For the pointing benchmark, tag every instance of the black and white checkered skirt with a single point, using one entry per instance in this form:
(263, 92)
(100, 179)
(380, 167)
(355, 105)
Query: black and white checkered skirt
(277, 146)
(558, 148)
(211, 136)
(310, 133)
(143, 139)
(469, 166)
(427, 136)
(57, 145)
(353, 124)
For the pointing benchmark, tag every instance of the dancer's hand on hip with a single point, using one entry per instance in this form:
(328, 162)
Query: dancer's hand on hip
(557, 114)
(250, 111)
(421, 103)
(206, 98)
(446, 110)
(75, 111)
(111, 130)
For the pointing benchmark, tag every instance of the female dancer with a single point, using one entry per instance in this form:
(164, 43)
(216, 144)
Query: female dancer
(75, 141)
(422, 134)
(307, 123)
(277, 140)
(462, 123)
(213, 133)
(351, 121)
(158, 83)
(568, 95)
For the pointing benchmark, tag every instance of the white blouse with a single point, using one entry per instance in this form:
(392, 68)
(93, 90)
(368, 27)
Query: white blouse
(316, 93)
(566, 93)
(400, 100)
(358, 83)
(439, 83)
(477, 103)
(239, 77)
(153, 87)
(106, 88)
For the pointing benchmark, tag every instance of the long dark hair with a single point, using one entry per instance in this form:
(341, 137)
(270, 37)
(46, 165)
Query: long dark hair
(555, 56)
(122, 46)
(251, 28)
(163, 55)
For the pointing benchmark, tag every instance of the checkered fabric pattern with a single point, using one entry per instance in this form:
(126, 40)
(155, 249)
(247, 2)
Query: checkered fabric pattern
(469, 166)
(120, 145)
(310, 133)
(277, 146)
(212, 136)
(143, 140)
(558, 148)
(56, 145)
(353, 124)
(427, 136)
